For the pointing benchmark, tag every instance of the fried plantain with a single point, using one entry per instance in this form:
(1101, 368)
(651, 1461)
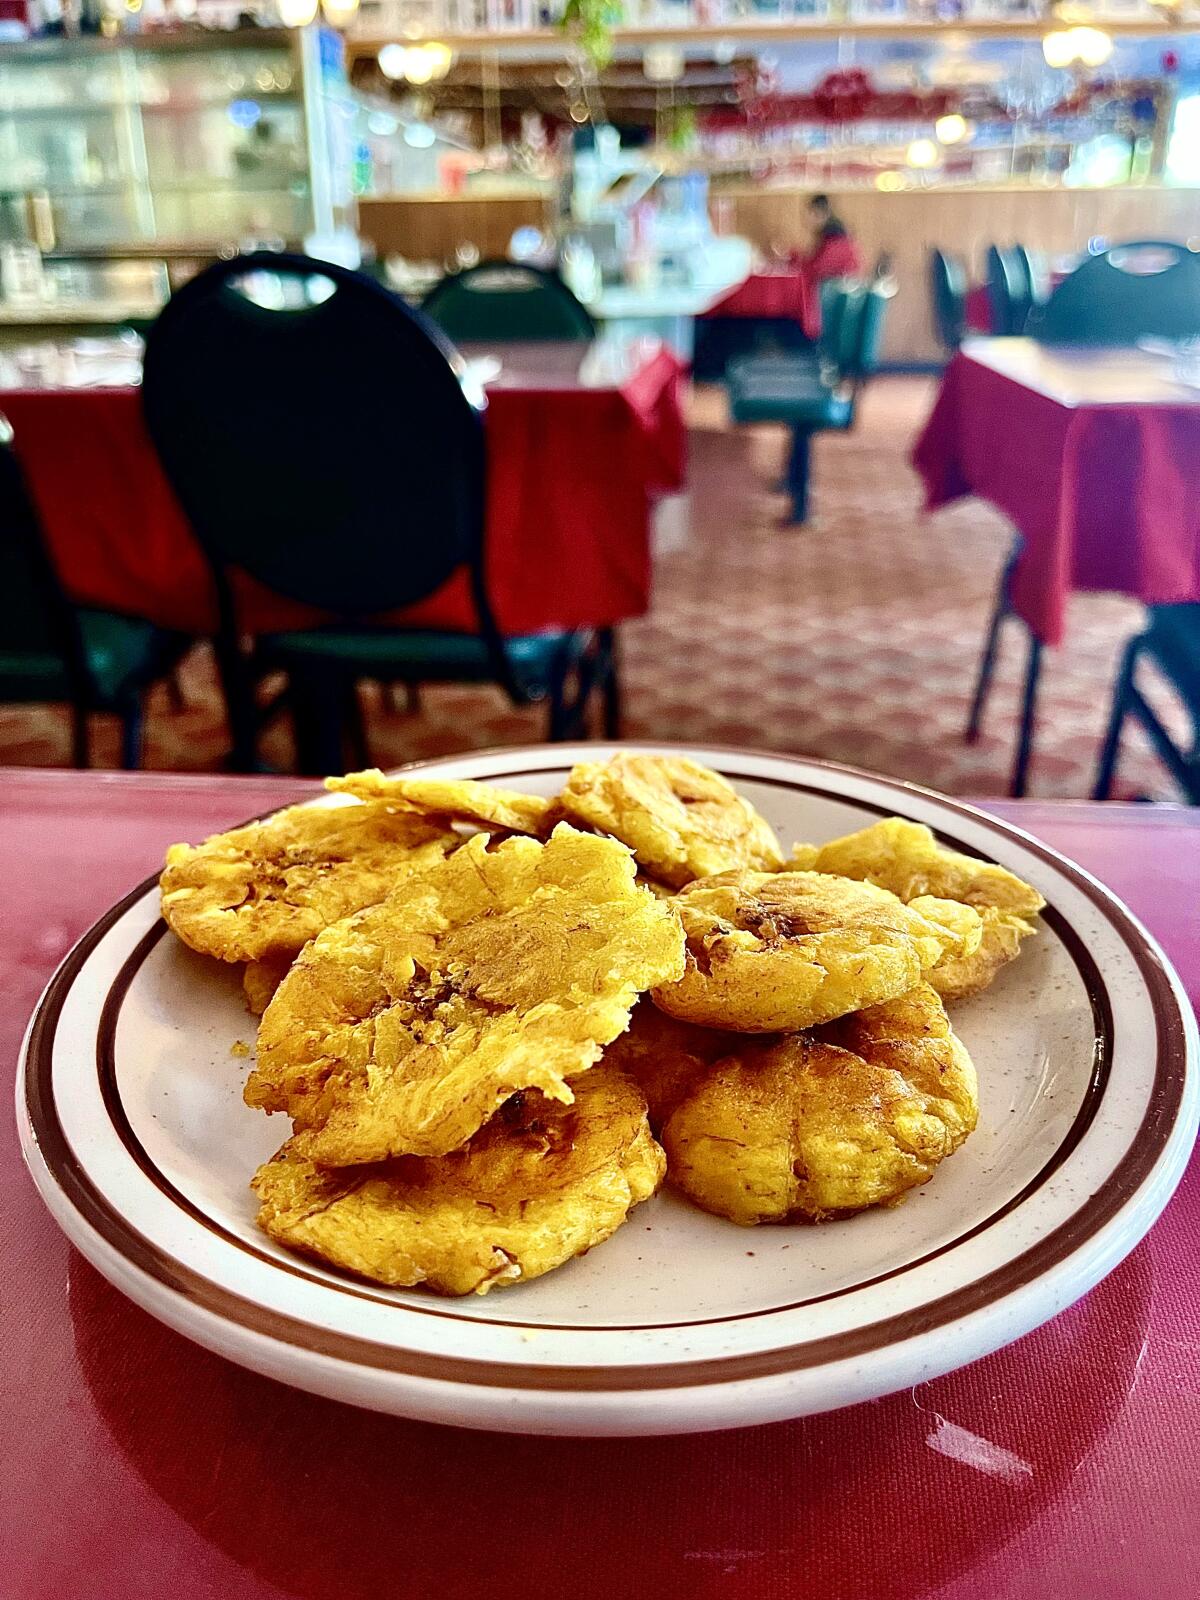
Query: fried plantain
(816, 1126)
(403, 1028)
(681, 820)
(463, 799)
(263, 891)
(906, 858)
(540, 1183)
(776, 952)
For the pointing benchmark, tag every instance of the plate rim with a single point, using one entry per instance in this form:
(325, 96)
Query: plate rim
(1151, 1143)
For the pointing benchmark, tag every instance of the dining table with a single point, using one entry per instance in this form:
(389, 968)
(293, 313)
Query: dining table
(137, 1465)
(1093, 456)
(776, 294)
(583, 440)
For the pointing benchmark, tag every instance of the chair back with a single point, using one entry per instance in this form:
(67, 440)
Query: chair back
(507, 300)
(839, 299)
(318, 435)
(948, 294)
(1129, 292)
(1010, 291)
(36, 619)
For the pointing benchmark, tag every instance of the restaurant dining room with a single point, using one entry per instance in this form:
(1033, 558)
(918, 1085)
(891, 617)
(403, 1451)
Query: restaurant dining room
(600, 799)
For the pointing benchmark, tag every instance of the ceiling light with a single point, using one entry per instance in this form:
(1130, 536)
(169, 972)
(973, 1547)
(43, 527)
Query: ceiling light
(952, 129)
(922, 153)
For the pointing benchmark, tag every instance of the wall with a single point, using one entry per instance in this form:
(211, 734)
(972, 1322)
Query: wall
(430, 227)
(909, 223)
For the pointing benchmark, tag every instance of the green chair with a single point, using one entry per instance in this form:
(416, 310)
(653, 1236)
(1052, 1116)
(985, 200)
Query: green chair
(1147, 288)
(507, 300)
(1172, 644)
(817, 398)
(948, 295)
(1009, 289)
(52, 651)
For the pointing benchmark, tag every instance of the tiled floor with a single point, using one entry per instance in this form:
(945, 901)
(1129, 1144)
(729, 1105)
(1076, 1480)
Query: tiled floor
(855, 638)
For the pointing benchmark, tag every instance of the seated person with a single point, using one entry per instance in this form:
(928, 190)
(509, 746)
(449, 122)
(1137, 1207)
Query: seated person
(835, 253)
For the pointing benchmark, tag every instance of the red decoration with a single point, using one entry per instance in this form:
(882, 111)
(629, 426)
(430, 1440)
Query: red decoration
(1170, 61)
(845, 96)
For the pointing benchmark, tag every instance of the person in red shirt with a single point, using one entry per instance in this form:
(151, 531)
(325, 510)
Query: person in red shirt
(835, 253)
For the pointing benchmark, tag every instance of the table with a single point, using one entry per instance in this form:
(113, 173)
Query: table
(137, 1466)
(788, 295)
(581, 439)
(1093, 455)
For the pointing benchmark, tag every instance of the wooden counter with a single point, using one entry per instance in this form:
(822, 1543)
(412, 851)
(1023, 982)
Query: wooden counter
(908, 224)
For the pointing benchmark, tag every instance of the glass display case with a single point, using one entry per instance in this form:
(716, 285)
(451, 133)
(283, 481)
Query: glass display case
(203, 141)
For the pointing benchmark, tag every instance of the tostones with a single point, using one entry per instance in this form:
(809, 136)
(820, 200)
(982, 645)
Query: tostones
(775, 952)
(402, 1029)
(260, 979)
(906, 858)
(665, 1057)
(540, 1183)
(462, 799)
(815, 1126)
(681, 820)
(263, 891)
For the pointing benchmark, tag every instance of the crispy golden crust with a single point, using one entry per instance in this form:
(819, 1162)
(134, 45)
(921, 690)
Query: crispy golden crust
(542, 1182)
(402, 1029)
(462, 799)
(681, 820)
(260, 979)
(665, 1056)
(814, 1126)
(263, 891)
(906, 858)
(776, 952)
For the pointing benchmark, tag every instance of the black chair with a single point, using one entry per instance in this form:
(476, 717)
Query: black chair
(330, 452)
(507, 300)
(1010, 290)
(1142, 289)
(52, 651)
(1172, 644)
(948, 294)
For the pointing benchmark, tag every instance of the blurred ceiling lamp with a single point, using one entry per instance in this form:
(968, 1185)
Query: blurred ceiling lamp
(1065, 46)
(922, 153)
(952, 129)
(297, 13)
(890, 182)
(1092, 45)
(419, 136)
(663, 63)
(1058, 48)
(339, 13)
(416, 63)
(392, 60)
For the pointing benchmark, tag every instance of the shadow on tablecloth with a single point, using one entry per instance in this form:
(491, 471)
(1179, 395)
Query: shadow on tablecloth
(330, 1503)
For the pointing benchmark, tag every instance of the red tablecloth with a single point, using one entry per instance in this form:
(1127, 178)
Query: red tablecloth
(979, 309)
(136, 1466)
(791, 295)
(1104, 494)
(573, 467)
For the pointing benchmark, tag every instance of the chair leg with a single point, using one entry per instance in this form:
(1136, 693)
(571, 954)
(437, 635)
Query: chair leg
(610, 683)
(80, 744)
(1033, 671)
(1106, 770)
(987, 662)
(318, 703)
(240, 710)
(797, 473)
(356, 727)
(131, 713)
(1185, 773)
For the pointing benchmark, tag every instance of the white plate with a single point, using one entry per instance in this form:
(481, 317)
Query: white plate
(133, 1127)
